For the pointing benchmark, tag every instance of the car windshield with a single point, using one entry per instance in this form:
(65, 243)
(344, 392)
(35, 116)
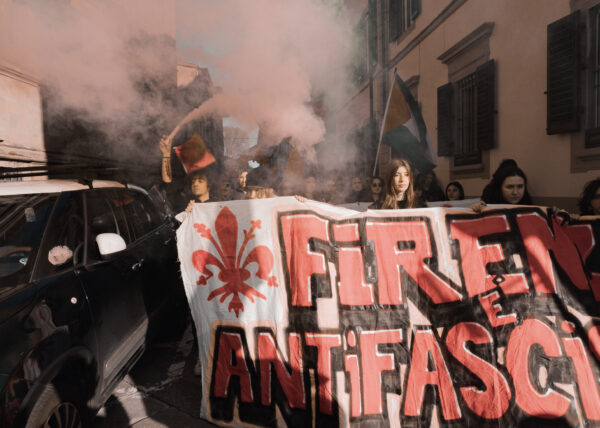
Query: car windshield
(22, 222)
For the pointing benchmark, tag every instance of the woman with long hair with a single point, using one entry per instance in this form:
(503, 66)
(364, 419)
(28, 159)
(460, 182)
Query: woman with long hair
(376, 194)
(589, 203)
(455, 191)
(509, 186)
(399, 187)
(429, 186)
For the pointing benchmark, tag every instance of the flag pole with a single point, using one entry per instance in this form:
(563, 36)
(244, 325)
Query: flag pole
(387, 105)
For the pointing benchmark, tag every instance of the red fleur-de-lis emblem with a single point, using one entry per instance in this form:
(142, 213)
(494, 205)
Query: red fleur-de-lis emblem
(231, 263)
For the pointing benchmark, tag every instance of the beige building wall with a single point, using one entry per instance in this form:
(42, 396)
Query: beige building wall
(20, 117)
(355, 108)
(518, 44)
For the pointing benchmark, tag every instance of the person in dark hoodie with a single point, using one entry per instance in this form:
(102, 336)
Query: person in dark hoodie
(490, 187)
(258, 184)
(509, 186)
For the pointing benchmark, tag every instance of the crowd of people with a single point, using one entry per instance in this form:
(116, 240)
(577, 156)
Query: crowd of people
(401, 188)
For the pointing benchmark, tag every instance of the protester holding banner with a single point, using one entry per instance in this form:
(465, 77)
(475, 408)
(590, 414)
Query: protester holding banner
(240, 187)
(225, 191)
(399, 187)
(455, 191)
(199, 189)
(258, 184)
(193, 155)
(310, 186)
(589, 204)
(376, 194)
(356, 190)
(430, 187)
(508, 187)
(489, 188)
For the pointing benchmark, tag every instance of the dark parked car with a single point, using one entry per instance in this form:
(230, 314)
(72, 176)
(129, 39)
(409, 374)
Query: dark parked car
(88, 274)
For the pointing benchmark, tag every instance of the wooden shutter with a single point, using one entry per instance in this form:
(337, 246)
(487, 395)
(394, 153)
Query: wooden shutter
(372, 32)
(394, 19)
(485, 87)
(563, 72)
(415, 9)
(444, 120)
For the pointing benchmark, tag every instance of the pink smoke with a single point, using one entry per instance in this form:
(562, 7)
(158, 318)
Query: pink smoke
(268, 57)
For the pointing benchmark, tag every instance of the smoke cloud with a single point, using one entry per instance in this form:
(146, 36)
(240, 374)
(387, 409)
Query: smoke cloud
(112, 63)
(86, 50)
(269, 57)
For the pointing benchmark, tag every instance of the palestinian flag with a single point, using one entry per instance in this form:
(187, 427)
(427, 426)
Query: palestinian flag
(194, 154)
(404, 128)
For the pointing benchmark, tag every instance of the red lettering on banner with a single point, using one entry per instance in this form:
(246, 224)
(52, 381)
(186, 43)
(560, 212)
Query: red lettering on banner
(475, 257)
(491, 309)
(351, 366)
(353, 287)
(588, 388)
(373, 364)
(595, 285)
(301, 261)
(583, 237)
(386, 236)
(291, 383)
(549, 404)
(324, 343)
(425, 345)
(230, 348)
(538, 240)
(594, 340)
(494, 401)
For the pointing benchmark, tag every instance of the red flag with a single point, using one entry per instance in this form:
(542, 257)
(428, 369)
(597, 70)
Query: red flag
(194, 154)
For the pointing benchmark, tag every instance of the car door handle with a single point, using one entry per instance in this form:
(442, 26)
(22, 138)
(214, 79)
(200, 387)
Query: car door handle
(136, 266)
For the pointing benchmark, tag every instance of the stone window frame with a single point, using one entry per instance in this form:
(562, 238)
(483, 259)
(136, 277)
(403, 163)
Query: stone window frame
(583, 157)
(462, 60)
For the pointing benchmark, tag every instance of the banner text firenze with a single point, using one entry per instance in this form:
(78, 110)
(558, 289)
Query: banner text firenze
(455, 319)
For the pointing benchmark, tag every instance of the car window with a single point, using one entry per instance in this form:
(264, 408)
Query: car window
(100, 219)
(63, 242)
(140, 213)
(116, 201)
(22, 222)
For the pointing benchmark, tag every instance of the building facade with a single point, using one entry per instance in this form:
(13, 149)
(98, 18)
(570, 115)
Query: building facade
(495, 80)
(21, 133)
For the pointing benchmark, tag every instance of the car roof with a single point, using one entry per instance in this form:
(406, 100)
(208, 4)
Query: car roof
(50, 186)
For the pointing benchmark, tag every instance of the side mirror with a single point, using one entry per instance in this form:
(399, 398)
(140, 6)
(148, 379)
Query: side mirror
(109, 243)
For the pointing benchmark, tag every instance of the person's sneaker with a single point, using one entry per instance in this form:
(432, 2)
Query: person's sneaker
(198, 369)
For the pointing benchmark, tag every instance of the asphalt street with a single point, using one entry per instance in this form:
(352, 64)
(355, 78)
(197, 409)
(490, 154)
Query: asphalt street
(160, 391)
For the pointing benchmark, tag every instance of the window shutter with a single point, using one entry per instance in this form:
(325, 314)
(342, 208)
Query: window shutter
(415, 9)
(563, 75)
(372, 32)
(394, 19)
(444, 120)
(485, 87)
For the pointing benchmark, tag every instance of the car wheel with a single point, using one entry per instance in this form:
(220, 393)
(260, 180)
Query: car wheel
(53, 411)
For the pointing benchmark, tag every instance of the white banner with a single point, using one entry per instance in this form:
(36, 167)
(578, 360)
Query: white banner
(309, 314)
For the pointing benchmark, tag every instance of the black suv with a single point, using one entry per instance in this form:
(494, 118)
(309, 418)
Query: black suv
(87, 274)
